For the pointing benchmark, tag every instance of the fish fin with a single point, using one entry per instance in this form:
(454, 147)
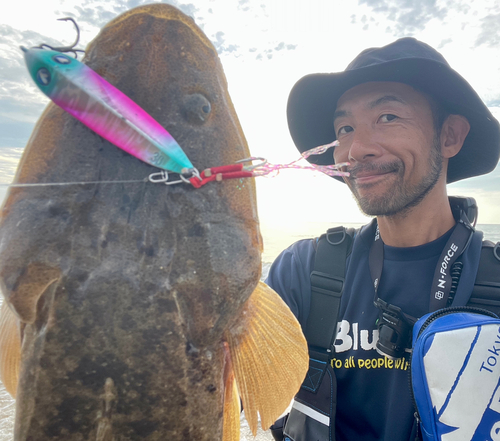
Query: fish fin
(231, 420)
(30, 286)
(10, 349)
(269, 356)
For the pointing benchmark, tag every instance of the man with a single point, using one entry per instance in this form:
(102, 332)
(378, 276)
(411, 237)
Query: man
(407, 124)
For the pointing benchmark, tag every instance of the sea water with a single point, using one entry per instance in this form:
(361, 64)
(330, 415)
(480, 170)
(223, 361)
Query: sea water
(277, 238)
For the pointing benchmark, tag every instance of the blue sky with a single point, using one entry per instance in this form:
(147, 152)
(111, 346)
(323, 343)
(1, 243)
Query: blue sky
(265, 47)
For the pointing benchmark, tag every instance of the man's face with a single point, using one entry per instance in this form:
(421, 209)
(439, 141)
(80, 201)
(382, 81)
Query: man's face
(386, 132)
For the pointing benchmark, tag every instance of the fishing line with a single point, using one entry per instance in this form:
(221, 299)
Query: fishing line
(237, 170)
(62, 184)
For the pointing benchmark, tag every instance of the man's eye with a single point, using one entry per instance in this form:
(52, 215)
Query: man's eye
(388, 118)
(344, 129)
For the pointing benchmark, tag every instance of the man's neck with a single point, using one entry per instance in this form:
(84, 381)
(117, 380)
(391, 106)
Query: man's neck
(420, 225)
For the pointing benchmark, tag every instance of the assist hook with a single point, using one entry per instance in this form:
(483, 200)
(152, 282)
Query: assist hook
(70, 48)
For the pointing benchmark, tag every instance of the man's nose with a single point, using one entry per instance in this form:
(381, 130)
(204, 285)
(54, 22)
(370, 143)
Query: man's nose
(363, 146)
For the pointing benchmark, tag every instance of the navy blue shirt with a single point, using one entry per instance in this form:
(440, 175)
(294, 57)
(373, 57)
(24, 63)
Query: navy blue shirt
(374, 401)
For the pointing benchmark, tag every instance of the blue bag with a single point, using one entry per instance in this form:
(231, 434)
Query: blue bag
(455, 373)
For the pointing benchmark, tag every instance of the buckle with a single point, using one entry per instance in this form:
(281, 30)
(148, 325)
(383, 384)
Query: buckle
(496, 251)
(333, 232)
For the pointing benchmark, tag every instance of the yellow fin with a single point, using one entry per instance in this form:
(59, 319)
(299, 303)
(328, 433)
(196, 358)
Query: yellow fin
(10, 349)
(231, 424)
(269, 356)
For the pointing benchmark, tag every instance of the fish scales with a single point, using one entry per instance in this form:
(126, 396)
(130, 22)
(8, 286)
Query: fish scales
(125, 293)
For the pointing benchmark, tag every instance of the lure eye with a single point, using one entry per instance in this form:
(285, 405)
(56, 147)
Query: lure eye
(196, 108)
(43, 76)
(61, 59)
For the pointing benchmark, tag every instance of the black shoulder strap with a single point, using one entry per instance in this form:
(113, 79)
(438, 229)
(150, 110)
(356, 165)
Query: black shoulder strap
(486, 292)
(327, 285)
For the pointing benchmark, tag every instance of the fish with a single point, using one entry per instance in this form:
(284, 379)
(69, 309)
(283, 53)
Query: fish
(134, 310)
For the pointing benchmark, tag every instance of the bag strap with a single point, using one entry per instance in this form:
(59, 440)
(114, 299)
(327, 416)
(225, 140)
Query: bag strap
(486, 292)
(327, 286)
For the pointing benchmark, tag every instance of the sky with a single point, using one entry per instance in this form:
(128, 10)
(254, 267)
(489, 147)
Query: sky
(266, 46)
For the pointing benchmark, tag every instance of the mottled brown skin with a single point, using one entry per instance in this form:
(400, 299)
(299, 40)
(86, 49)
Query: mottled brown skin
(135, 282)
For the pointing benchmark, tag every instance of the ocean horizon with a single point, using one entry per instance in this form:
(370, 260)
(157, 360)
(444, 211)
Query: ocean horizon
(276, 238)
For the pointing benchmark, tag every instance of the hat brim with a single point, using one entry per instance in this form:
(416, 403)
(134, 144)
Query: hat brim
(313, 100)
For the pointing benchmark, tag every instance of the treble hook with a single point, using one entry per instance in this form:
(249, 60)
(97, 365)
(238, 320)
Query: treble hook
(70, 48)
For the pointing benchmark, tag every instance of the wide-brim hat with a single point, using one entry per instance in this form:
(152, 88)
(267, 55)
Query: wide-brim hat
(313, 100)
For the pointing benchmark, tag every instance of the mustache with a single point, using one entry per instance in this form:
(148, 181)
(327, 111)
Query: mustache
(373, 168)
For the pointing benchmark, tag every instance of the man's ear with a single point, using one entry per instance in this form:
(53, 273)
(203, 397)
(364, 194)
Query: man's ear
(453, 133)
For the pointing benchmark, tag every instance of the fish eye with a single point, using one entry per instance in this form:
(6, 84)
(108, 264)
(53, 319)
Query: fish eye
(196, 108)
(61, 59)
(43, 76)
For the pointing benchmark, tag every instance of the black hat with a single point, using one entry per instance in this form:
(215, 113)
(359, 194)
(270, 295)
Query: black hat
(313, 100)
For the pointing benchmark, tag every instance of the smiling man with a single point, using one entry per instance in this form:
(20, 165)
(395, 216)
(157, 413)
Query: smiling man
(398, 158)
(407, 124)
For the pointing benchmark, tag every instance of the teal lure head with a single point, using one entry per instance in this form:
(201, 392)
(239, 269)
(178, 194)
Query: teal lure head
(45, 66)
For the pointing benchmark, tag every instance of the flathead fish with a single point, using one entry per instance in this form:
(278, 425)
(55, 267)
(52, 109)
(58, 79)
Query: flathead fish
(136, 305)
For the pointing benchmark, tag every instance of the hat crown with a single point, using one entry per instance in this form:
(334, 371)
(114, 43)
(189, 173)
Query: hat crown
(404, 48)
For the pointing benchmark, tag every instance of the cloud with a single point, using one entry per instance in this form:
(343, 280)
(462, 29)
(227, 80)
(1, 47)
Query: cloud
(219, 41)
(20, 107)
(98, 14)
(95, 15)
(244, 5)
(493, 101)
(490, 31)
(408, 16)
(11, 39)
(20, 101)
(223, 48)
(282, 46)
(269, 52)
(14, 133)
(445, 42)
(462, 7)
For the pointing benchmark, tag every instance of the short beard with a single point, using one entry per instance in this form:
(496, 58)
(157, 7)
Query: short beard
(399, 200)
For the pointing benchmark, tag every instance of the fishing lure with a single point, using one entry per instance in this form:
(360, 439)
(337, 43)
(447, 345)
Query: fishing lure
(87, 96)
